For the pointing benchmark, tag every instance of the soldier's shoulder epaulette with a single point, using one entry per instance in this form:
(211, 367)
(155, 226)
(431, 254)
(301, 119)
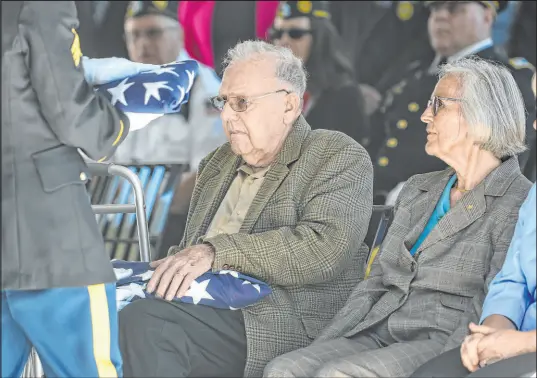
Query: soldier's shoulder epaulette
(519, 63)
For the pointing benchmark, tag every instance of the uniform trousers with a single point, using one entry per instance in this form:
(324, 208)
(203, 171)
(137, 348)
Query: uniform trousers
(167, 339)
(74, 331)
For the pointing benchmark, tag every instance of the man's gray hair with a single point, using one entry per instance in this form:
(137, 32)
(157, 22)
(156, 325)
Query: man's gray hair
(289, 68)
(492, 105)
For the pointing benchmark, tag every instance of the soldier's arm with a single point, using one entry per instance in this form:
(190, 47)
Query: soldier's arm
(78, 116)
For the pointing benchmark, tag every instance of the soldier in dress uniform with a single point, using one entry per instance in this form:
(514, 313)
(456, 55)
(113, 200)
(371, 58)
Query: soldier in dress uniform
(58, 286)
(456, 29)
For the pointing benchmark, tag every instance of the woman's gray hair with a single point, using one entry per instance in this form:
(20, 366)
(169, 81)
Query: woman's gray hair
(289, 68)
(492, 105)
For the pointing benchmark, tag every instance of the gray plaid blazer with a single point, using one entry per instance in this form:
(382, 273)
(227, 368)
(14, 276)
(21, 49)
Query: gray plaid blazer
(303, 235)
(435, 294)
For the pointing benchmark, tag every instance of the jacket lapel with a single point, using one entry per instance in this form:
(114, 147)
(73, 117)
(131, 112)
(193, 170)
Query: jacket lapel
(472, 205)
(289, 153)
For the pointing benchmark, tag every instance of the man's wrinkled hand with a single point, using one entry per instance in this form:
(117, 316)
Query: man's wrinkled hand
(499, 344)
(174, 274)
(469, 351)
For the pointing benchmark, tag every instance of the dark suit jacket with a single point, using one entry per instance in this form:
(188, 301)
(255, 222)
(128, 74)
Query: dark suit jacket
(341, 109)
(437, 292)
(49, 234)
(303, 235)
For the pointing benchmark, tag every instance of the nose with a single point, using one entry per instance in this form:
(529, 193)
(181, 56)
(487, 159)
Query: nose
(427, 116)
(228, 114)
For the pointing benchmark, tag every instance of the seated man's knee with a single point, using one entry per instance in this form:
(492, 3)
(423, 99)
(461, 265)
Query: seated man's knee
(336, 369)
(278, 367)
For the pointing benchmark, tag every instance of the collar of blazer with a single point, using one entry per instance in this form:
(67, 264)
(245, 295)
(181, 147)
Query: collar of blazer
(466, 211)
(495, 184)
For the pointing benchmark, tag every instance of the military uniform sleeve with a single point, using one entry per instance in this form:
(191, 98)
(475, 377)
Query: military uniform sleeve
(78, 116)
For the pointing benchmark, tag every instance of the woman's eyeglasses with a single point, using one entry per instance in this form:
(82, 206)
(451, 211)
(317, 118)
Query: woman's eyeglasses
(239, 103)
(437, 102)
(293, 33)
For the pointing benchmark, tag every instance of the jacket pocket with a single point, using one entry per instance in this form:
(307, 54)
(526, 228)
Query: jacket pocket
(59, 167)
(456, 302)
(314, 325)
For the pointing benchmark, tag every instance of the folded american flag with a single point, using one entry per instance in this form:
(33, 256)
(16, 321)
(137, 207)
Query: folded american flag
(224, 289)
(148, 95)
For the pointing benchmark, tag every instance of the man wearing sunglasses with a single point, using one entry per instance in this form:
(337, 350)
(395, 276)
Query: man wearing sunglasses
(456, 29)
(280, 202)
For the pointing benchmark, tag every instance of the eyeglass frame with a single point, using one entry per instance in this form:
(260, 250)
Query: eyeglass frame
(434, 100)
(248, 100)
(291, 32)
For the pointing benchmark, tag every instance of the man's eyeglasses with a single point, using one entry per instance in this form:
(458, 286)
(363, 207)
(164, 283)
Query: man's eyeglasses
(437, 102)
(151, 34)
(239, 103)
(293, 33)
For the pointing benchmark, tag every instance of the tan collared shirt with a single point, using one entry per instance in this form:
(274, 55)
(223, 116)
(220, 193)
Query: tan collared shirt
(232, 211)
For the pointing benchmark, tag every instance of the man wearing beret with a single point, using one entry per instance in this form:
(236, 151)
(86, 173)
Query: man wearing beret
(58, 286)
(456, 29)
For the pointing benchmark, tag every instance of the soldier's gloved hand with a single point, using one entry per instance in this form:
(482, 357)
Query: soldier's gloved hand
(98, 71)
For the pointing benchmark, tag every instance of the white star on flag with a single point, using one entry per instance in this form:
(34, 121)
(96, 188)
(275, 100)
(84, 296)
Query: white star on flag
(161, 70)
(181, 89)
(190, 75)
(198, 291)
(151, 90)
(118, 92)
(230, 272)
(256, 286)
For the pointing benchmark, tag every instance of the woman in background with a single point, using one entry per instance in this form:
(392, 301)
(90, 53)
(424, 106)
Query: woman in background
(333, 99)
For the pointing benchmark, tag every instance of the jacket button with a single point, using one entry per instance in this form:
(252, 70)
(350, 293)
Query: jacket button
(225, 266)
(413, 107)
(402, 124)
(392, 142)
(83, 176)
(383, 161)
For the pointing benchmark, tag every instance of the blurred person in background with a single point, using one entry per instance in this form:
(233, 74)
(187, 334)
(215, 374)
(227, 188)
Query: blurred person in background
(211, 28)
(54, 263)
(456, 29)
(381, 38)
(333, 99)
(153, 35)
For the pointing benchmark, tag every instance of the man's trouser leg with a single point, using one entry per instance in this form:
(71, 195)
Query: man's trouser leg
(74, 331)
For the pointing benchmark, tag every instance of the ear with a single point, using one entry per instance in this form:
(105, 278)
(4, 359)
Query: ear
(293, 107)
(490, 16)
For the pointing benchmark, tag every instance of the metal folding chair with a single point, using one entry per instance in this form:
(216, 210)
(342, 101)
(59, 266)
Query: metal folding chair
(33, 367)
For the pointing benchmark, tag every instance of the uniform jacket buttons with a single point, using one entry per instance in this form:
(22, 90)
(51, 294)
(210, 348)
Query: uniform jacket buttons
(383, 161)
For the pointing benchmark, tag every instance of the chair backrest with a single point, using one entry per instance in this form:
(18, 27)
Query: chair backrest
(119, 230)
(381, 219)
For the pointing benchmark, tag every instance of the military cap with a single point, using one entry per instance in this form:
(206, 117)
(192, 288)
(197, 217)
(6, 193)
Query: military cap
(312, 9)
(144, 8)
(498, 6)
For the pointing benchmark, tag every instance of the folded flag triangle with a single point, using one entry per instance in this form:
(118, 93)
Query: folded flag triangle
(148, 95)
(225, 289)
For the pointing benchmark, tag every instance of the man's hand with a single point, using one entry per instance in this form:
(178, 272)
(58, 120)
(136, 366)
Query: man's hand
(174, 274)
(499, 344)
(469, 350)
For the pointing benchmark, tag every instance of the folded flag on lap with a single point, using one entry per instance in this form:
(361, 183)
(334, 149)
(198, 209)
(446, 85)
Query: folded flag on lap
(225, 289)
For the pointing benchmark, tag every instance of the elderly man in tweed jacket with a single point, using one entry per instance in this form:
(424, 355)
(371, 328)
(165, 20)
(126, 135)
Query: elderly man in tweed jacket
(279, 202)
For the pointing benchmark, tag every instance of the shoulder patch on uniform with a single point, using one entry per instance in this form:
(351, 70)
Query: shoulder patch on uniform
(519, 63)
(76, 52)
